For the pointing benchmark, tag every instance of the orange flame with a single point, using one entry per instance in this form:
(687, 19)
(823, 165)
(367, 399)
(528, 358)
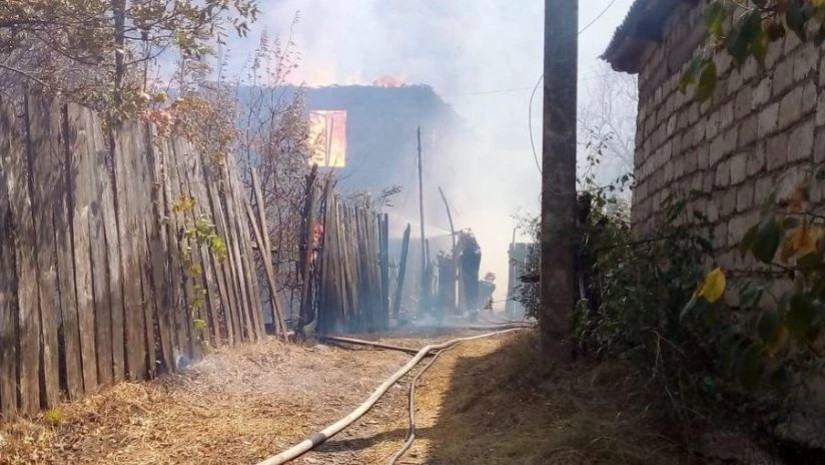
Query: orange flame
(388, 81)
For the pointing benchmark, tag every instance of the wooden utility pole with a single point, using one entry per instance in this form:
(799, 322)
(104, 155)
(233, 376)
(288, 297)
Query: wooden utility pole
(558, 179)
(421, 219)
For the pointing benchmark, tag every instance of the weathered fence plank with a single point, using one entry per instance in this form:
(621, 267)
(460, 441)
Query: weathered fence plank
(13, 159)
(402, 271)
(266, 254)
(159, 256)
(214, 298)
(247, 256)
(75, 135)
(93, 255)
(8, 293)
(45, 147)
(226, 280)
(143, 216)
(125, 153)
(306, 250)
(102, 296)
(240, 271)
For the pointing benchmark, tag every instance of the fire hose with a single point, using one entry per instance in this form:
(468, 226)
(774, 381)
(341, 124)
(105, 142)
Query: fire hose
(408, 441)
(320, 437)
(361, 342)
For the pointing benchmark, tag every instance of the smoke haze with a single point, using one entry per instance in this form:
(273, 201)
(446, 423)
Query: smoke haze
(483, 57)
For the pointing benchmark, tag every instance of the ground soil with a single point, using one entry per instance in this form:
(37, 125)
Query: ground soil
(484, 402)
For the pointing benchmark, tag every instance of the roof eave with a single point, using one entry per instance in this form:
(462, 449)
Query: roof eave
(644, 24)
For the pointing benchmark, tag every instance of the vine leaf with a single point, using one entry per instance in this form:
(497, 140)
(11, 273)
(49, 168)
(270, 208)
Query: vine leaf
(713, 287)
(707, 82)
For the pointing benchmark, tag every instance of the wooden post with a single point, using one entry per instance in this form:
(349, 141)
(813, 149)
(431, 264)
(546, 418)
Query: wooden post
(21, 361)
(402, 270)
(308, 222)
(421, 218)
(266, 254)
(385, 271)
(558, 199)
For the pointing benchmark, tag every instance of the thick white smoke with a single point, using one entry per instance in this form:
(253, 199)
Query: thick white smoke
(482, 56)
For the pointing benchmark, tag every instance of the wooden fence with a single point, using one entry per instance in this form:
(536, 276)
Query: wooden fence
(353, 285)
(118, 260)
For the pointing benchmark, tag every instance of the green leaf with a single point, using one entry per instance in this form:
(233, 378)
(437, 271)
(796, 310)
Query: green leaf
(690, 74)
(767, 241)
(800, 314)
(796, 19)
(707, 82)
(715, 18)
(738, 42)
(759, 47)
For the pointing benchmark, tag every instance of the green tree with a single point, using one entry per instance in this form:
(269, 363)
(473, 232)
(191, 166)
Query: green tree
(98, 52)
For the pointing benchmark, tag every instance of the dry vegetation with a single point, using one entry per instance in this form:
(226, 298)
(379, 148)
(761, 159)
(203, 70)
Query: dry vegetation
(485, 403)
(234, 407)
(480, 403)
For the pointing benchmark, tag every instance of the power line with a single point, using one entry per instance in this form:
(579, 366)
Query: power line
(533, 94)
(598, 17)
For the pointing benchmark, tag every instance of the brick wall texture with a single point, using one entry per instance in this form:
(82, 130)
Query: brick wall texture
(762, 129)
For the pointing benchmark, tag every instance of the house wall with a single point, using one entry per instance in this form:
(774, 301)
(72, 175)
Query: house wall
(763, 128)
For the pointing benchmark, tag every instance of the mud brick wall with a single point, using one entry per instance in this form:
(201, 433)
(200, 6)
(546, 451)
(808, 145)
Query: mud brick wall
(763, 128)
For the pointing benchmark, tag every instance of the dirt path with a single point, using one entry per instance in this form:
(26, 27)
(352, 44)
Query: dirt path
(475, 406)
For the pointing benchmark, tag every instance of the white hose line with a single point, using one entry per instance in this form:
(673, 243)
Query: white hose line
(408, 441)
(320, 437)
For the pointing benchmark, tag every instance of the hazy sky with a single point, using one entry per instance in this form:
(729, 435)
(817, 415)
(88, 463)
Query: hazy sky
(482, 56)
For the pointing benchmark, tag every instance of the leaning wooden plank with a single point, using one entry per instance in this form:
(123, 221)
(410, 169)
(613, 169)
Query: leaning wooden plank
(180, 339)
(143, 215)
(79, 318)
(226, 277)
(345, 311)
(402, 270)
(253, 287)
(270, 271)
(123, 161)
(159, 253)
(45, 148)
(306, 250)
(210, 301)
(179, 202)
(94, 137)
(352, 268)
(99, 264)
(266, 248)
(9, 337)
(349, 277)
(13, 164)
(216, 300)
(234, 237)
(385, 270)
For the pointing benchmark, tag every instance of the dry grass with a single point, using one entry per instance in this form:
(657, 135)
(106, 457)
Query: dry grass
(233, 407)
(484, 403)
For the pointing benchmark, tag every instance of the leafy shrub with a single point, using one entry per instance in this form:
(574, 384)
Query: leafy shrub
(772, 341)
